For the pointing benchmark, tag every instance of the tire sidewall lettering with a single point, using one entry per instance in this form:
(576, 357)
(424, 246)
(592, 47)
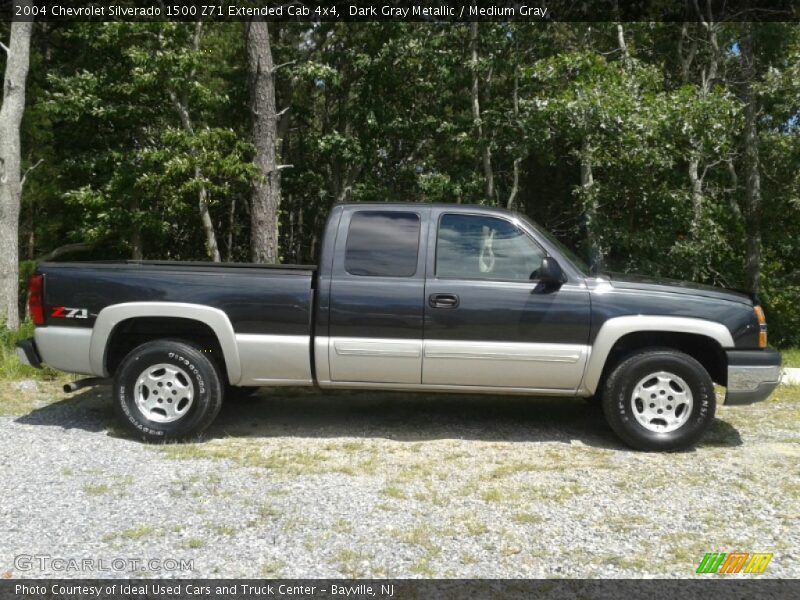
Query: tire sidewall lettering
(199, 370)
(620, 386)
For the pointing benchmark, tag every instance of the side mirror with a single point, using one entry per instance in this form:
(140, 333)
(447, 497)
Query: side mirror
(550, 272)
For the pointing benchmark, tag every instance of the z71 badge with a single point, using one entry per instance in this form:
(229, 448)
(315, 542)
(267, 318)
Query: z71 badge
(64, 312)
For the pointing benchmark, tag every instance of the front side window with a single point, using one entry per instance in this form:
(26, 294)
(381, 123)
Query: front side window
(382, 244)
(479, 247)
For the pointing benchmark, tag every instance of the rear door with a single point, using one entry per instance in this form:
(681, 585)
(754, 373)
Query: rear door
(377, 295)
(489, 322)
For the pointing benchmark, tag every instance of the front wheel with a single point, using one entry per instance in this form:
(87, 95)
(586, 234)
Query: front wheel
(659, 400)
(167, 390)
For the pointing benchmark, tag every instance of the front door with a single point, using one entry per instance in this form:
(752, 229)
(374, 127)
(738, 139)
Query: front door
(488, 321)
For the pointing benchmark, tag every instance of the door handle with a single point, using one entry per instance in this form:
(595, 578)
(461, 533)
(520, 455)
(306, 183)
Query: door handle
(443, 300)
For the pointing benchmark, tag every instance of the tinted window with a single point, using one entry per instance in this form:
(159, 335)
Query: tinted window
(476, 247)
(382, 244)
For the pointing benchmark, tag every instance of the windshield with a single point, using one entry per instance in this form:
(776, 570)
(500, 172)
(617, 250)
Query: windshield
(576, 260)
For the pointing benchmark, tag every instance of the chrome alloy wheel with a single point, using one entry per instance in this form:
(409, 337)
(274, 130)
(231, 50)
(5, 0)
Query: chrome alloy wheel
(163, 393)
(661, 402)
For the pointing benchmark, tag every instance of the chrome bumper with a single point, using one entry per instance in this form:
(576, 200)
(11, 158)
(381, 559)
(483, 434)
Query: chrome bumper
(752, 375)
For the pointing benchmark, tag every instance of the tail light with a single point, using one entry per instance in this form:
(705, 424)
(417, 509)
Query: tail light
(36, 299)
(762, 326)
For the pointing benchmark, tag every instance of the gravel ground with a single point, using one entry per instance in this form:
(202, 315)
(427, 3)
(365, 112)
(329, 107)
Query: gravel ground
(307, 484)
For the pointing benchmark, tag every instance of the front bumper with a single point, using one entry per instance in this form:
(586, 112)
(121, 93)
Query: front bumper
(752, 375)
(28, 355)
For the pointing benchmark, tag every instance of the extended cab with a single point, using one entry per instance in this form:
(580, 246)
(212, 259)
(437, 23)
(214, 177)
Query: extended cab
(409, 297)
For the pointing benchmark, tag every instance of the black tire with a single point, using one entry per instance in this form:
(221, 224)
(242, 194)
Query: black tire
(619, 404)
(195, 377)
(235, 393)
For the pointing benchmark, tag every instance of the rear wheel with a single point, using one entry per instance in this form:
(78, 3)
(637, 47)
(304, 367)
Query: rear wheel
(167, 390)
(659, 400)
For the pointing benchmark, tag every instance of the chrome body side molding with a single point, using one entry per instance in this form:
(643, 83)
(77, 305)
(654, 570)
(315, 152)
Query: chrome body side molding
(449, 365)
(113, 315)
(501, 365)
(613, 329)
(375, 360)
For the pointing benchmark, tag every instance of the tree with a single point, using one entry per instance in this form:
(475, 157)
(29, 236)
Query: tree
(266, 196)
(152, 137)
(16, 73)
(181, 104)
(632, 141)
(752, 163)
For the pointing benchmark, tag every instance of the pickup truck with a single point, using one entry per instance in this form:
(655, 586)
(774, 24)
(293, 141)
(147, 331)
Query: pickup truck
(413, 297)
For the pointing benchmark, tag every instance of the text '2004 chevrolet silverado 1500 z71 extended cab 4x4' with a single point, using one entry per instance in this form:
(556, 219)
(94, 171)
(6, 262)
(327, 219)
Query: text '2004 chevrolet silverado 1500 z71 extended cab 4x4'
(406, 297)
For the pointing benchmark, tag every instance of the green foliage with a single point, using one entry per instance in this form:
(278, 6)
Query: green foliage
(10, 367)
(384, 112)
(791, 358)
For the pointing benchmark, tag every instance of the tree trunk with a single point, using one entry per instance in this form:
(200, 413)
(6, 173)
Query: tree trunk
(181, 106)
(136, 242)
(486, 151)
(231, 227)
(266, 194)
(708, 76)
(591, 209)
(17, 62)
(212, 248)
(752, 166)
(696, 183)
(512, 196)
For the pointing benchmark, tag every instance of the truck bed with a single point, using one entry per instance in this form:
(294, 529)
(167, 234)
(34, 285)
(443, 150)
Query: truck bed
(258, 299)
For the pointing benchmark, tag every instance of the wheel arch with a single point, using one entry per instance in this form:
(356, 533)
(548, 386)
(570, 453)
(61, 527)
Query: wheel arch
(704, 340)
(203, 324)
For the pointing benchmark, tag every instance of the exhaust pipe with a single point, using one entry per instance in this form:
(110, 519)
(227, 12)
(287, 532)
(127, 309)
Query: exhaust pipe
(74, 386)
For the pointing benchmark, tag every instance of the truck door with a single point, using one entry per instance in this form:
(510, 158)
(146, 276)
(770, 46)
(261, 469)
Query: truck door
(488, 321)
(377, 295)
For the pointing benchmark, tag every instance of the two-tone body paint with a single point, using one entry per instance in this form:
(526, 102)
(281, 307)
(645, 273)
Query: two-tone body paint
(260, 315)
(343, 330)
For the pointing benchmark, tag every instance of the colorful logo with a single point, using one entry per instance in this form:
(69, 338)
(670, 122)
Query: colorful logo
(735, 562)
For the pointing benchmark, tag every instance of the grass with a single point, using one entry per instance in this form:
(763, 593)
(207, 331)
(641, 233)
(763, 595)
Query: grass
(281, 461)
(10, 367)
(392, 491)
(133, 534)
(791, 358)
(351, 563)
(96, 490)
(527, 519)
(15, 401)
(223, 529)
(474, 527)
(272, 570)
(342, 526)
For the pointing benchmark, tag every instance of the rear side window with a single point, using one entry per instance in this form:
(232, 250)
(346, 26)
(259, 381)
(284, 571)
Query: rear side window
(382, 244)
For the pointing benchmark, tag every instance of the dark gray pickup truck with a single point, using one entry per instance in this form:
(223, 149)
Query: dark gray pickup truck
(412, 297)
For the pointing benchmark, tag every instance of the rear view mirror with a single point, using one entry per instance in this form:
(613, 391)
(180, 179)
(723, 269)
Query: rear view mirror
(550, 272)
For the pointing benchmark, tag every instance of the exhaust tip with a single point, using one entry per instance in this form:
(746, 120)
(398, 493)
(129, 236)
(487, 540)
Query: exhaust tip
(74, 386)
